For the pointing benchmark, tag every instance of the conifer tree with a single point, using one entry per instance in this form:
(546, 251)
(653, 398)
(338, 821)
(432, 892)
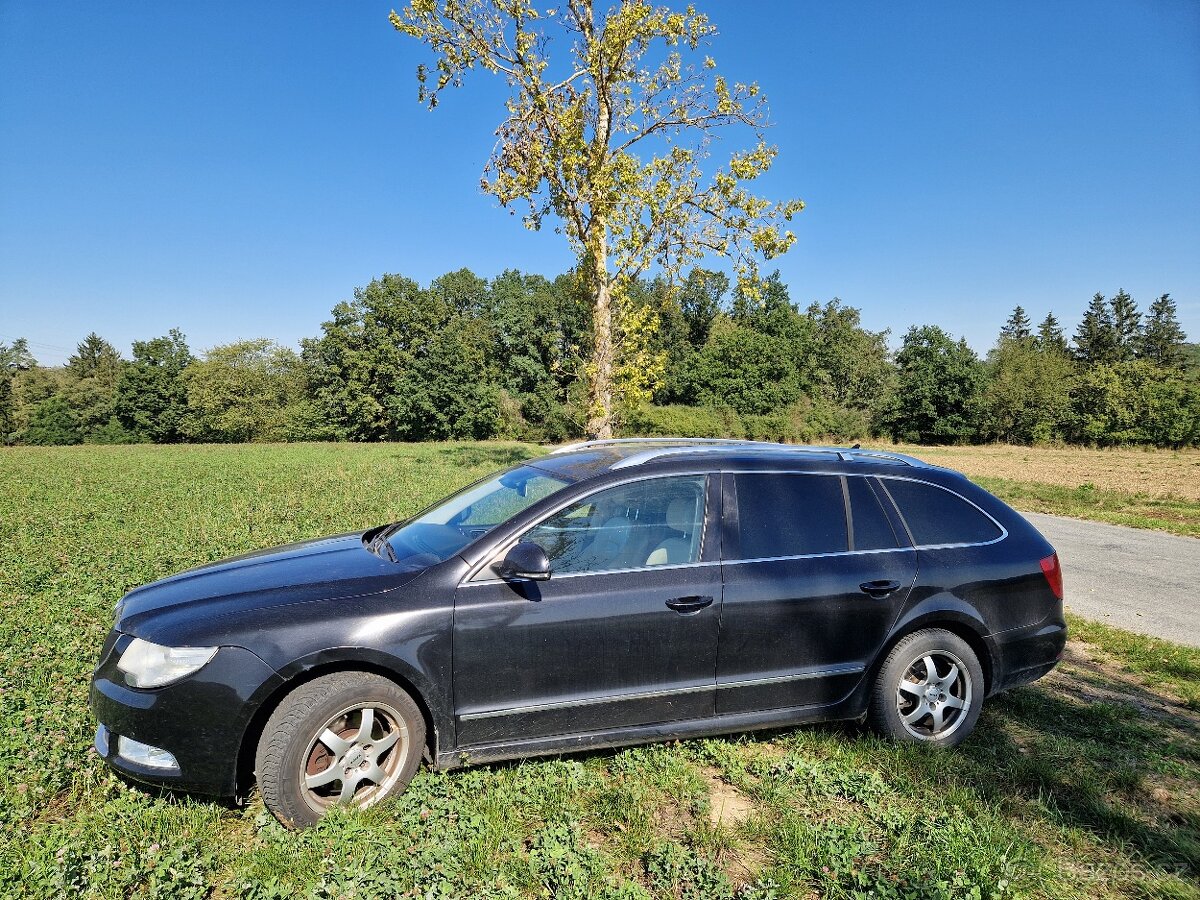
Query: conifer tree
(1127, 325)
(1162, 338)
(1018, 325)
(1095, 338)
(1050, 335)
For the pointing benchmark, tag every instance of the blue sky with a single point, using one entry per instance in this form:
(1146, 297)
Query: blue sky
(235, 169)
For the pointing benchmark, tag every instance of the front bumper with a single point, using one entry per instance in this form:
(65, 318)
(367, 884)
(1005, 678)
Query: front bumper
(201, 721)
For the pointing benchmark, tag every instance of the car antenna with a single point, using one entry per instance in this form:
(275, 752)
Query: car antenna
(856, 447)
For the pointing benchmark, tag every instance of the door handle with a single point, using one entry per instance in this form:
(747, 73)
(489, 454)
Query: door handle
(687, 605)
(879, 589)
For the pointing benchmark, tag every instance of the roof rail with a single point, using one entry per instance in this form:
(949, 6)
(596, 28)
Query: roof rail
(843, 453)
(609, 442)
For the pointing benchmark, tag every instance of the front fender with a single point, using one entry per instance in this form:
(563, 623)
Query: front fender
(429, 688)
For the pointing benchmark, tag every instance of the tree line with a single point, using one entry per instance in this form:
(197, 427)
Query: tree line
(468, 358)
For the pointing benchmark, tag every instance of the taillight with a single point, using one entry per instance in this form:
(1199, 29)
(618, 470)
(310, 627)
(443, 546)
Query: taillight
(1053, 572)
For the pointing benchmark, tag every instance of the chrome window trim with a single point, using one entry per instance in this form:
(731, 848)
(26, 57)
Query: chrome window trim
(915, 546)
(562, 575)
(466, 582)
(850, 669)
(634, 478)
(1003, 531)
(763, 559)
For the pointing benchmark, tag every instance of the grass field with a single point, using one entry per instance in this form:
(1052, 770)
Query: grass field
(1085, 784)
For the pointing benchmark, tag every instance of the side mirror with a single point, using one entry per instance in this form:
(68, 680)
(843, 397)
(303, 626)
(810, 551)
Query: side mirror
(526, 561)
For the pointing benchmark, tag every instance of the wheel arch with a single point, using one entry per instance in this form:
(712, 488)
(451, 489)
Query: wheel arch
(958, 623)
(300, 674)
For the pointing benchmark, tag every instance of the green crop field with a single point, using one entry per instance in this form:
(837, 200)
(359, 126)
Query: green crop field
(1086, 784)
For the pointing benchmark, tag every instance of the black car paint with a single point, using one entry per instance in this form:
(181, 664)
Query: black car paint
(515, 669)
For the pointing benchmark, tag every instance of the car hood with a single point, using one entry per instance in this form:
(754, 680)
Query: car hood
(330, 568)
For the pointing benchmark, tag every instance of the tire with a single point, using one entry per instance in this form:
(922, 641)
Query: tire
(349, 737)
(909, 704)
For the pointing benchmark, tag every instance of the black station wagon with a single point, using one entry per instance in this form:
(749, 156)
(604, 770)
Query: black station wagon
(611, 593)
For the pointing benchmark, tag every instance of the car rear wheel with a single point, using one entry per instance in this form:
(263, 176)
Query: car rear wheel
(350, 738)
(929, 690)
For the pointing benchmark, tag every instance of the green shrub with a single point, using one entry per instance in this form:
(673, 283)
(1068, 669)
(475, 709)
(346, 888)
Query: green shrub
(802, 422)
(53, 422)
(683, 421)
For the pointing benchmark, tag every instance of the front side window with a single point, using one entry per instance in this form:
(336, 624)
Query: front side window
(782, 514)
(654, 522)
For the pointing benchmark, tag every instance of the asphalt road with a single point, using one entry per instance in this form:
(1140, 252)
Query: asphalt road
(1144, 581)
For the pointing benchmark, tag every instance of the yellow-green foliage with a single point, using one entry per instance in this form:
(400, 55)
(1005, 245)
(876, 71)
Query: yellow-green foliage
(611, 138)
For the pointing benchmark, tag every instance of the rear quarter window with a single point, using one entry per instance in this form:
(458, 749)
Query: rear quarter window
(937, 516)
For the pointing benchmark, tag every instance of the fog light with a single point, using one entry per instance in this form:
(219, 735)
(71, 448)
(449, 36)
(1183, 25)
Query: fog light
(101, 742)
(145, 755)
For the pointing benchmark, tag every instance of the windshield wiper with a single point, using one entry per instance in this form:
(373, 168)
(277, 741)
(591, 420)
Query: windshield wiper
(390, 552)
(381, 540)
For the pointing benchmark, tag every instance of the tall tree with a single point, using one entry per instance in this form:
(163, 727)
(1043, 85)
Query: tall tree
(537, 330)
(1096, 338)
(1027, 395)
(95, 358)
(611, 140)
(1050, 336)
(1162, 340)
(242, 392)
(937, 388)
(401, 363)
(1018, 327)
(14, 357)
(1127, 325)
(151, 398)
(853, 368)
(702, 297)
(92, 374)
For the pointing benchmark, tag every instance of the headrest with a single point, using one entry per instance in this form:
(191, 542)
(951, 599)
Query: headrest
(681, 514)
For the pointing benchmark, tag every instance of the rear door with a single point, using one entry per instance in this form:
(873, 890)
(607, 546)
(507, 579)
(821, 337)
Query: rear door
(814, 576)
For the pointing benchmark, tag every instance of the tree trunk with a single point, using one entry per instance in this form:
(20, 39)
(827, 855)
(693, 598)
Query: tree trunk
(600, 390)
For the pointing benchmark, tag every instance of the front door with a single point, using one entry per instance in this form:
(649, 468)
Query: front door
(815, 576)
(623, 633)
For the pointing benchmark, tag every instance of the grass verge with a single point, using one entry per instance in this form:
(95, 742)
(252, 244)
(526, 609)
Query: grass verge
(1084, 784)
(1170, 514)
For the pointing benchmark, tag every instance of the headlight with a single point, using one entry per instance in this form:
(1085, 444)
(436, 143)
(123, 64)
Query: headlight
(148, 665)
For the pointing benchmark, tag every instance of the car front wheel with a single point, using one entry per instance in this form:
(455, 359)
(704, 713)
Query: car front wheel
(929, 690)
(350, 738)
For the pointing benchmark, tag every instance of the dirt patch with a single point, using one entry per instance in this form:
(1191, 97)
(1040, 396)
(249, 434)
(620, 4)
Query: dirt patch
(1087, 677)
(728, 807)
(1155, 473)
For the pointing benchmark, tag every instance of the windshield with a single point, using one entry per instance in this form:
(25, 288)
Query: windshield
(448, 526)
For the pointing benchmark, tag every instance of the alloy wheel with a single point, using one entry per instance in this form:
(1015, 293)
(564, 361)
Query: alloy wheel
(355, 758)
(934, 695)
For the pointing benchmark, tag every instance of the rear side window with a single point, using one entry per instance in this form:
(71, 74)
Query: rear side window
(936, 516)
(789, 515)
(872, 531)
